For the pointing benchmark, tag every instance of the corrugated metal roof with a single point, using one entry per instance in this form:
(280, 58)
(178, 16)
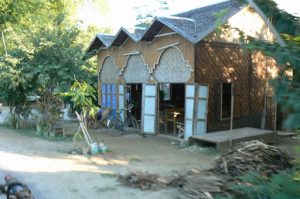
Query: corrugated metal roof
(106, 38)
(206, 20)
(193, 25)
(198, 23)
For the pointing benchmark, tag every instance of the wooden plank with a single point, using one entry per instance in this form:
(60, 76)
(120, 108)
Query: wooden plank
(222, 138)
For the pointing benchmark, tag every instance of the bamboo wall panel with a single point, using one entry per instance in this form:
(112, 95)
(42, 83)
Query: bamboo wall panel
(219, 62)
(172, 67)
(136, 70)
(264, 69)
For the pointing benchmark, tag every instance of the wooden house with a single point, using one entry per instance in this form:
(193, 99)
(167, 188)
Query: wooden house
(182, 70)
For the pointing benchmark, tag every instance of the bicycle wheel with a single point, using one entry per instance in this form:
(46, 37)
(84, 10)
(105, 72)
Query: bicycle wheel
(115, 126)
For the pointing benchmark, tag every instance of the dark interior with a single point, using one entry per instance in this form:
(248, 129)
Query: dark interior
(135, 98)
(226, 100)
(171, 107)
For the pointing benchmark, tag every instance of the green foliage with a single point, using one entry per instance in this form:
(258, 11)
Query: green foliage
(13, 88)
(42, 126)
(83, 95)
(147, 14)
(287, 88)
(254, 185)
(284, 22)
(44, 52)
(220, 15)
(13, 11)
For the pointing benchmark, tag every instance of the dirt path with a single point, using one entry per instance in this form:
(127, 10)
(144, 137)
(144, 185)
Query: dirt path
(51, 173)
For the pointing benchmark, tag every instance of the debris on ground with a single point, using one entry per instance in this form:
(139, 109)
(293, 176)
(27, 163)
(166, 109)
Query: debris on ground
(184, 145)
(286, 134)
(252, 156)
(76, 151)
(143, 181)
(196, 184)
(202, 186)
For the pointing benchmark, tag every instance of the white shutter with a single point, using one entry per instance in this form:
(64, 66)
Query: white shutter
(149, 108)
(201, 109)
(189, 110)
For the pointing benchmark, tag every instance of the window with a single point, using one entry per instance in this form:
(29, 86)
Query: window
(103, 95)
(226, 100)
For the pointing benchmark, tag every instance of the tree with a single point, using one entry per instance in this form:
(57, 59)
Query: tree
(287, 88)
(83, 96)
(44, 53)
(146, 14)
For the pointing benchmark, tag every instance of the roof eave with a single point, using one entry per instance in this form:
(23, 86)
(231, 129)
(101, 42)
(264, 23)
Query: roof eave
(122, 29)
(91, 44)
(174, 28)
(148, 28)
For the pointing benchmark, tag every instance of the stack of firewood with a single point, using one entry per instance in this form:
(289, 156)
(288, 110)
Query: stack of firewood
(252, 156)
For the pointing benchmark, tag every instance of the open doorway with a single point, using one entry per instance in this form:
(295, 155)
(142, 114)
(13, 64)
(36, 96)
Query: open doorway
(171, 100)
(134, 96)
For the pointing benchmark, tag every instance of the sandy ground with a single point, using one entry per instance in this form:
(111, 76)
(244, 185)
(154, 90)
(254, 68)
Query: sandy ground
(52, 173)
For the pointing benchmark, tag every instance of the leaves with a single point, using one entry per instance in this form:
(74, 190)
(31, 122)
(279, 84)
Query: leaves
(147, 14)
(287, 57)
(45, 50)
(83, 96)
(278, 186)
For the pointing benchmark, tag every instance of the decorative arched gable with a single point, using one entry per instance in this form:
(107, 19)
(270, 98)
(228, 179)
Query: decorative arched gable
(172, 67)
(136, 70)
(109, 73)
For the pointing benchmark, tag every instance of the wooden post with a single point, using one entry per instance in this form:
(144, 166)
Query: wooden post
(231, 114)
(264, 113)
(275, 123)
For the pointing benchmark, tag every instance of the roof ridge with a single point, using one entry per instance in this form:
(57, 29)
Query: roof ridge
(105, 34)
(204, 7)
(176, 17)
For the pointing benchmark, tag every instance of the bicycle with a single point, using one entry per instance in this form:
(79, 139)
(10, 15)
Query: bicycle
(118, 126)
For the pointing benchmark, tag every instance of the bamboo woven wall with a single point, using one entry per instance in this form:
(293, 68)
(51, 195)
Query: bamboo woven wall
(149, 50)
(264, 69)
(220, 62)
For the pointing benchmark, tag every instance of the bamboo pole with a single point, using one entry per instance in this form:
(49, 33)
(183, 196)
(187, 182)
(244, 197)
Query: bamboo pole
(83, 129)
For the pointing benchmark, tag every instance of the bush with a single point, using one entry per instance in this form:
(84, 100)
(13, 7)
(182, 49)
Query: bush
(282, 185)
